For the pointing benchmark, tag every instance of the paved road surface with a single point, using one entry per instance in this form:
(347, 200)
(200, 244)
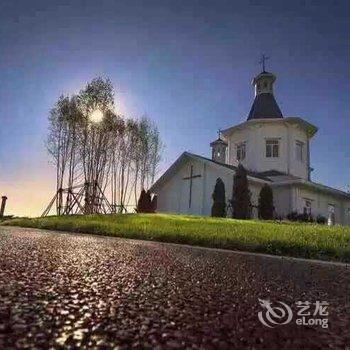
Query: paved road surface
(69, 291)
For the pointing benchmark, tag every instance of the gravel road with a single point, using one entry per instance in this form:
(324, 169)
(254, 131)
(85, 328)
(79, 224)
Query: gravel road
(79, 291)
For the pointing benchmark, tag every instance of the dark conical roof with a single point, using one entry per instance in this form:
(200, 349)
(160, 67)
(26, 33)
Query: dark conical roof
(264, 106)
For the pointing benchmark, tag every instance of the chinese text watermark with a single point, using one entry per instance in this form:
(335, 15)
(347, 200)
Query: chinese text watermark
(306, 314)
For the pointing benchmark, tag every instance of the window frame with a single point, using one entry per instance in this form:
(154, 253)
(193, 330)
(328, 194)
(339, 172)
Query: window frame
(299, 156)
(241, 151)
(307, 208)
(271, 146)
(331, 208)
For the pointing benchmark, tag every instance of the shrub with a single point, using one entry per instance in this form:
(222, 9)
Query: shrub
(241, 206)
(321, 219)
(305, 217)
(294, 216)
(265, 206)
(219, 200)
(141, 202)
(145, 203)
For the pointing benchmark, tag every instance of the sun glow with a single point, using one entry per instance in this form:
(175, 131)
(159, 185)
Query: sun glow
(96, 116)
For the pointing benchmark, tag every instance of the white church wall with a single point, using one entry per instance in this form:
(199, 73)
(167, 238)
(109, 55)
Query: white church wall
(255, 136)
(282, 200)
(292, 198)
(212, 173)
(169, 195)
(255, 191)
(237, 137)
(173, 194)
(271, 131)
(296, 167)
(320, 203)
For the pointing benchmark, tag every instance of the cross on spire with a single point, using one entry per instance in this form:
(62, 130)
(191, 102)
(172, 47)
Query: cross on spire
(219, 133)
(263, 61)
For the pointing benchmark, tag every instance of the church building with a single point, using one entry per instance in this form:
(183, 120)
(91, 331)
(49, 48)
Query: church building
(273, 148)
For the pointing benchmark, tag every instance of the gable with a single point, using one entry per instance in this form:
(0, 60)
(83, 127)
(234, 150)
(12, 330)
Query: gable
(181, 169)
(224, 169)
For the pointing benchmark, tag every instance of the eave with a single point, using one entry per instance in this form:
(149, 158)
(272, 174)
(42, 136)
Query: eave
(305, 125)
(313, 185)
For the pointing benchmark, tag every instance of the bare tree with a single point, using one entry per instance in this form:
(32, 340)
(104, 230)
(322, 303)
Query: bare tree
(92, 155)
(64, 121)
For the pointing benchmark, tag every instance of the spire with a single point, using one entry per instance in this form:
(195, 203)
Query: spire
(264, 105)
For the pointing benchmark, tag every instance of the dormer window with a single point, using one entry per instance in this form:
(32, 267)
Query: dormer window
(299, 150)
(240, 151)
(272, 148)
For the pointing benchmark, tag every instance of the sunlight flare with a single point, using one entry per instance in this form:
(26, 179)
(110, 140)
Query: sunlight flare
(96, 116)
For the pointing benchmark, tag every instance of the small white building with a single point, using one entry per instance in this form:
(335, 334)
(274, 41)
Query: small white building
(274, 149)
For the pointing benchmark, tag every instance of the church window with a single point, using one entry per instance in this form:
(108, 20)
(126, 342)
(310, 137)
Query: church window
(241, 151)
(307, 207)
(299, 150)
(272, 148)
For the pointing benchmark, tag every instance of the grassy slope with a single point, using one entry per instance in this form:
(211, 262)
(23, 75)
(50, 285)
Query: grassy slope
(291, 239)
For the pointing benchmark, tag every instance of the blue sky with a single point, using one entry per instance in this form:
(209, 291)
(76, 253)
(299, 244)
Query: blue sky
(186, 64)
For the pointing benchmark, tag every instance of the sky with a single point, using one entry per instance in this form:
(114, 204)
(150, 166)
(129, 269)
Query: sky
(188, 65)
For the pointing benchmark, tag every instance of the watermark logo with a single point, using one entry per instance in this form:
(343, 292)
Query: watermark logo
(307, 314)
(274, 315)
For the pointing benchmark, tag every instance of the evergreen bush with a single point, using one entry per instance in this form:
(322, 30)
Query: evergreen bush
(265, 206)
(218, 208)
(241, 206)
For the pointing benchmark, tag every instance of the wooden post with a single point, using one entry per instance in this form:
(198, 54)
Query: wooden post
(3, 204)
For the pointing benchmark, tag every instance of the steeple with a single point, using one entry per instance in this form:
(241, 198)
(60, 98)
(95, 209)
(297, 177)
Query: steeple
(264, 105)
(219, 147)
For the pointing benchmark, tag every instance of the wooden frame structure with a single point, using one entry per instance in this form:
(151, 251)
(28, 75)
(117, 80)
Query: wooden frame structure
(82, 199)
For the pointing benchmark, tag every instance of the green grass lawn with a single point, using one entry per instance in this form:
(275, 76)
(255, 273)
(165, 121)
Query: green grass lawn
(291, 239)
